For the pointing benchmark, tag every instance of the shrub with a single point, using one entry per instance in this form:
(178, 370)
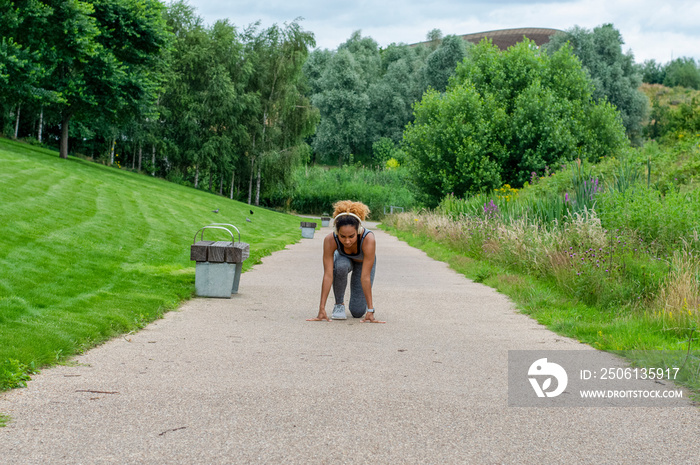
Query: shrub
(315, 189)
(505, 115)
(684, 72)
(667, 221)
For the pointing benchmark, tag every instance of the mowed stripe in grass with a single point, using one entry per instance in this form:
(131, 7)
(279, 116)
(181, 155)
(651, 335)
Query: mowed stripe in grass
(88, 252)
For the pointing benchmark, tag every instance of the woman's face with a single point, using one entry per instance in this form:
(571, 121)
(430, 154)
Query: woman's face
(347, 235)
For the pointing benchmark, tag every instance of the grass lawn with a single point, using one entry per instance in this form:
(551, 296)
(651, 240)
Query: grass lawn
(88, 252)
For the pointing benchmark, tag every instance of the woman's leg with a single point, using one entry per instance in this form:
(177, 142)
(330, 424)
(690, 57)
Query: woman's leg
(358, 303)
(342, 266)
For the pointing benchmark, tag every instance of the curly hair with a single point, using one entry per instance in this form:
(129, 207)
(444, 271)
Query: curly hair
(359, 209)
(348, 206)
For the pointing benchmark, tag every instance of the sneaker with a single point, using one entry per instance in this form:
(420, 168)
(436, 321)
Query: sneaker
(339, 312)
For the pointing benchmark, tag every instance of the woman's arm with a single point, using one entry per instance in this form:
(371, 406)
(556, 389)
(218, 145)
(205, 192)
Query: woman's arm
(369, 247)
(329, 247)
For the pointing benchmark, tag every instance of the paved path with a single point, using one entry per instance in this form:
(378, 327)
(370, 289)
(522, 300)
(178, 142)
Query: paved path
(247, 380)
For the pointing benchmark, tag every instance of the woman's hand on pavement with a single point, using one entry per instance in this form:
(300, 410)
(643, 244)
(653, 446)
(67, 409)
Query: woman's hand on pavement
(369, 318)
(321, 316)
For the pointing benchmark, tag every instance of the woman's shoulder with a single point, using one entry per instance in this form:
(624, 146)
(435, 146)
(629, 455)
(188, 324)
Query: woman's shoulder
(368, 238)
(329, 240)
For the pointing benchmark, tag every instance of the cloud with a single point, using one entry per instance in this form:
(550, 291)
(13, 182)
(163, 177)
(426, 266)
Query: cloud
(650, 28)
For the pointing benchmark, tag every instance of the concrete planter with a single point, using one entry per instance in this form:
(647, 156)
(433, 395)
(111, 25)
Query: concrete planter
(214, 279)
(219, 264)
(325, 221)
(307, 230)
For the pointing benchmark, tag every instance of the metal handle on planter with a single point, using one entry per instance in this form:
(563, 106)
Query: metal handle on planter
(228, 224)
(213, 227)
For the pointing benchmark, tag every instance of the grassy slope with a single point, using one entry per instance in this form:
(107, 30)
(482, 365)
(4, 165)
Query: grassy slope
(88, 252)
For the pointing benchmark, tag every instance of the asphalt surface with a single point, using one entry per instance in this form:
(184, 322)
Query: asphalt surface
(248, 380)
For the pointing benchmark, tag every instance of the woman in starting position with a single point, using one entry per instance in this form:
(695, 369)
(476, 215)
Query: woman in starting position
(349, 249)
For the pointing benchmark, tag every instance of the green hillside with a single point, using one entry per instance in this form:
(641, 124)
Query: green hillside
(88, 252)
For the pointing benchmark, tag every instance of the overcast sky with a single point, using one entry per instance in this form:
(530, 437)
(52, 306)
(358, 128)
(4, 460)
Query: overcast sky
(656, 29)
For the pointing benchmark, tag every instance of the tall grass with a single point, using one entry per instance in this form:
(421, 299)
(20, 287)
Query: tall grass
(617, 244)
(88, 252)
(549, 207)
(670, 220)
(678, 300)
(316, 188)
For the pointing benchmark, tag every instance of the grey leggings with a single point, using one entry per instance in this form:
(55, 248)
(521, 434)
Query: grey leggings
(342, 266)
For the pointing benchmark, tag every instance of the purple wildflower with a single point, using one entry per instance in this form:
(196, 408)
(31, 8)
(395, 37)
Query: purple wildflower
(491, 210)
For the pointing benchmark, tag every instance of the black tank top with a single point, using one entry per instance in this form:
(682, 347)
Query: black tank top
(360, 255)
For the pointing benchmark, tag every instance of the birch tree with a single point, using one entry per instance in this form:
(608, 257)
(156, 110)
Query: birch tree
(284, 116)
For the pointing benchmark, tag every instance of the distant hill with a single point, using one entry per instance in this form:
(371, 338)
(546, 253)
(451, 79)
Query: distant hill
(504, 38)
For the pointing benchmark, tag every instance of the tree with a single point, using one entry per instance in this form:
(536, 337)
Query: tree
(670, 121)
(392, 100)
(447, 145)
(434, 37)
(441, 63)
(503, 116)
(387, 154)
(204, 99)
(284, 116)
(653, 72)
(20, 75)
(22, 68)
(343, 105)
(613, 73)
(364, 93)
(100, 55)
(134, 33)
(234, 105)
(232, 100)
(314, 67)
(341, 83)
(365, 51)
(392, 96)
(682, 72)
